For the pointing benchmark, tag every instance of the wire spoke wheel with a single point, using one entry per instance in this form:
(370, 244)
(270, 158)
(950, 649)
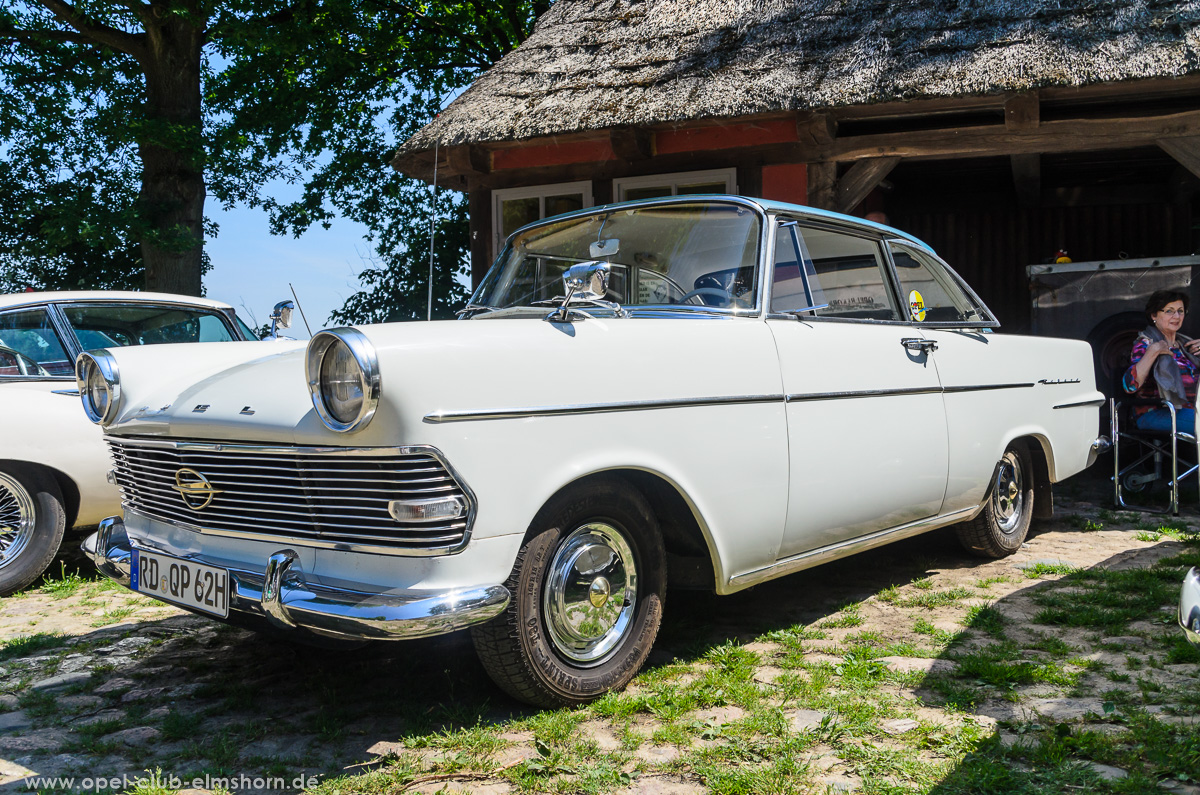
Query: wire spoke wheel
(18, 519)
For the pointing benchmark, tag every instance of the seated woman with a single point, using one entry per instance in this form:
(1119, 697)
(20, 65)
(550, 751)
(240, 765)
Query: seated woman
(1164, 365)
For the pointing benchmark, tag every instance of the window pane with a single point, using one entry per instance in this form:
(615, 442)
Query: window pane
(699, 255)
(118, 325)
(703, 187)
(28, 332)
(650, 192)
(565, 203)
(515, 213)
(849, 271)
(933, 294)
(790, 291)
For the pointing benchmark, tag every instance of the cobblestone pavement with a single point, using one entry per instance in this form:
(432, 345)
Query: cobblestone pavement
(98, 682)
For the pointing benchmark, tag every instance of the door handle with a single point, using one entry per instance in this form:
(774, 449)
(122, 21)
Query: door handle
(919, 345)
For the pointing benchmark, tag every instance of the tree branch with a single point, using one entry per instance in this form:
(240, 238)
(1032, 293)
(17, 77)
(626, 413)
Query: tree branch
(127, 43)
(33, 36)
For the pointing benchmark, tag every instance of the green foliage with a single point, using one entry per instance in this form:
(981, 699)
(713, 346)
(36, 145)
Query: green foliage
(105, 147)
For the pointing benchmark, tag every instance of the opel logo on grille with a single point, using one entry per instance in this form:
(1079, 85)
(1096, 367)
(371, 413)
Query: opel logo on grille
(194, 488)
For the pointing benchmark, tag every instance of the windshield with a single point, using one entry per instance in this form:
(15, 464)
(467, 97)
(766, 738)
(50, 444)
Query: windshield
(697, 254)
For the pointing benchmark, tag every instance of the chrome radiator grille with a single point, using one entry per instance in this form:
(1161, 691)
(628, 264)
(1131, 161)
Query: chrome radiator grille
(331, 496)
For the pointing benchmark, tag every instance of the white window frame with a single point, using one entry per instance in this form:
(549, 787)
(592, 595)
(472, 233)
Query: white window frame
(729, 175)
(541, 192)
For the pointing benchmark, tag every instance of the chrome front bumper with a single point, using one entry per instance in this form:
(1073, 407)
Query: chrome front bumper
(280, 596)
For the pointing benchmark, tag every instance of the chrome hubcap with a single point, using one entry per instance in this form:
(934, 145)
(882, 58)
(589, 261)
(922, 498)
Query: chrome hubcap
(591, 592)
(17, 519)
(1008, 497)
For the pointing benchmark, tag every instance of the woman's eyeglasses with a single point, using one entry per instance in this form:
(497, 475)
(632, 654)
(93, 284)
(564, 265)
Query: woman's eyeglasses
(1180, 312)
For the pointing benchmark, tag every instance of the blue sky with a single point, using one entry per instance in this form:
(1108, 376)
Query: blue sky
(252, 268)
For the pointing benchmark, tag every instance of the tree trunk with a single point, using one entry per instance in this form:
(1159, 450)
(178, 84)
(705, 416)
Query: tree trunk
(171, 202)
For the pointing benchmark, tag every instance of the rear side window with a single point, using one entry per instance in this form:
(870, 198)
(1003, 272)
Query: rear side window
(844, 271)
(933, 293)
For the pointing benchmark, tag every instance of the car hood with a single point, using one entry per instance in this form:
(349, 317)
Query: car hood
(258, 391)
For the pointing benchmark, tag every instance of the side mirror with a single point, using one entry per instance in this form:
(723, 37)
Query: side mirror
(586, 281)
(281, 317)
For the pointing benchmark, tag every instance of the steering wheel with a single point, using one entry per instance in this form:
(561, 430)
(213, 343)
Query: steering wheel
(726, 297)
(24, 365)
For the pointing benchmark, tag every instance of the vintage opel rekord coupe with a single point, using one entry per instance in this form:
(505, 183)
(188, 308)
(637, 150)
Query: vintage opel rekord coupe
(697, 391)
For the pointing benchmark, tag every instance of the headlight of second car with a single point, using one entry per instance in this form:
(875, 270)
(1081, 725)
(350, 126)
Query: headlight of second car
(343, 378)
(99, 384)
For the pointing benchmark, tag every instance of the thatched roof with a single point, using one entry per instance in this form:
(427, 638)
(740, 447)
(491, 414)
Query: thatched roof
(597, 64)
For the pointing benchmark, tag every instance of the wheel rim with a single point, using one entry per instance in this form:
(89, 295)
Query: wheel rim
(18, 517)
(1008, 495)
(591, 593)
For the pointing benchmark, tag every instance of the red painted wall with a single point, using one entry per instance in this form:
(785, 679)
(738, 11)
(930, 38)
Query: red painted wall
(785, 182)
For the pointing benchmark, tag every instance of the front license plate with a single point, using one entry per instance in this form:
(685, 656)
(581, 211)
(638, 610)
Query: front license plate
(182, 582)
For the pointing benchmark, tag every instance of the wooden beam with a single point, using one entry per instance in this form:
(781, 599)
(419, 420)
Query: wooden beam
(1067, 135)
(468, 160)
(1022, 112)
(822, 185)
(815, 129)
(860, 180)
(631, 144)
(1027, 178)
(1184, 150)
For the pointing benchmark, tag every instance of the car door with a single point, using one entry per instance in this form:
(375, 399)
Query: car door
(865, 416)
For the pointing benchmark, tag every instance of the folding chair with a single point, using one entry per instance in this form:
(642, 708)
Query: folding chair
(1151, 448)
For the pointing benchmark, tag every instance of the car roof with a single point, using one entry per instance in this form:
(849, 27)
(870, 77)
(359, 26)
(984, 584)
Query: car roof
(765, 205)
(11, 300)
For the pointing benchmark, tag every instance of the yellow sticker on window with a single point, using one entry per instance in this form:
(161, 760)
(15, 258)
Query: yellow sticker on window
(916, 306)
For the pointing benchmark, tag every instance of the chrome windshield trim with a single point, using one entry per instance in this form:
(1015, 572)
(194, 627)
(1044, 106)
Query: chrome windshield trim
(815, 557)
(595, 408)
(1095, 402)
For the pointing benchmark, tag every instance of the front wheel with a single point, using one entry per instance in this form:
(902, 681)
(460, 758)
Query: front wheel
(32, 523)
(1001, 527)
(587, 595)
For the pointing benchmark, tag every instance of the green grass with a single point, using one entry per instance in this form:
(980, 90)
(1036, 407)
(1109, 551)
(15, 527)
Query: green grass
(1038, 570)
(1108, 600)
(29, 645)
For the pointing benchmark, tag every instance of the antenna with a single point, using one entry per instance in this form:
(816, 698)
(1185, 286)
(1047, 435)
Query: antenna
(432, 229)
(301, 308)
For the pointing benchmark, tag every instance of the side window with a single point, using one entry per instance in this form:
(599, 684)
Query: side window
(843, 271)
(933, 294)
(28, 332)
(791, 291)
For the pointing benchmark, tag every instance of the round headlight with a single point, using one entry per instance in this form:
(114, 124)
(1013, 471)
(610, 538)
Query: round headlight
(343, 378)
(99, 385)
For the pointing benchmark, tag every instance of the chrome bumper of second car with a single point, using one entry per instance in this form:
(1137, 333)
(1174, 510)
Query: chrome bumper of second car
(281, 597)
(1189, 607)
(1102, 444)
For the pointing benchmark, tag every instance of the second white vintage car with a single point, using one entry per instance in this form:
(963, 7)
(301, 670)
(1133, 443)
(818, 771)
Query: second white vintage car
(700, 391)
(54, 465)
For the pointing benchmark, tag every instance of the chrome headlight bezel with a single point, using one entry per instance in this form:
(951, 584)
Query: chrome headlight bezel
(363, 353)
(99, 365)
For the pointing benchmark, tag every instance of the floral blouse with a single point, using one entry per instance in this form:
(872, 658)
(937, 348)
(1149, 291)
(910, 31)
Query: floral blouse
(1149, 390)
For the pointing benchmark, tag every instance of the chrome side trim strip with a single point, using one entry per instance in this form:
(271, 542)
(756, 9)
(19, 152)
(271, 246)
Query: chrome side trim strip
(596, 408)
(1057, 381)
(816, 557)
(986, 387)
(865, 393)
(649, 405)
(1095, 402)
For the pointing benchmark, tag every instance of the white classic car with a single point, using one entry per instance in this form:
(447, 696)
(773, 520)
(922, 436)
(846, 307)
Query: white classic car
(53, 462)
(696, 391)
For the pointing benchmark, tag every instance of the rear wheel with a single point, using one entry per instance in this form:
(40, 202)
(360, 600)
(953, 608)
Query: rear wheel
(587, 594)
(32, 523)
(1001, 527)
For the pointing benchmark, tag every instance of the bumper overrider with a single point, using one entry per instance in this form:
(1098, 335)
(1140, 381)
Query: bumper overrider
(1189, 607)
(280, 597)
